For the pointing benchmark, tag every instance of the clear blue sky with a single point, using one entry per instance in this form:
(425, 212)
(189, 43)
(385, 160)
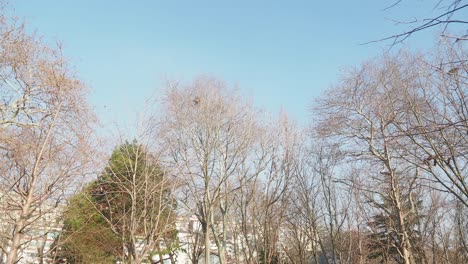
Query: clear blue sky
(280, 53)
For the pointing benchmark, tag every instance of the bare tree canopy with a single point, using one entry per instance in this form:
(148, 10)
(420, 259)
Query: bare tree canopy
(208, 133)
(404, 123)
(46, 130)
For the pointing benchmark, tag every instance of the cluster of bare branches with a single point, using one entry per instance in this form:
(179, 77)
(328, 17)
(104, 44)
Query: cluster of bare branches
(450, 14)
(45, 145)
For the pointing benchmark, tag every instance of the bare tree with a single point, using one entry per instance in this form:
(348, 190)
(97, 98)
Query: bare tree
(320, 214)
(360, 115)
(45, 143)
(208, 132)
(302, 220)
(261, 203)
(275, 185)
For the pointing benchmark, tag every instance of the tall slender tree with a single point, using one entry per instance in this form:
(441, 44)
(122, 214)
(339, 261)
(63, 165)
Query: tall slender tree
(46, 142)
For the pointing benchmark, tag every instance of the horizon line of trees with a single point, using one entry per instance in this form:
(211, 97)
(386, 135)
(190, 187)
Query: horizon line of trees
(379, 176)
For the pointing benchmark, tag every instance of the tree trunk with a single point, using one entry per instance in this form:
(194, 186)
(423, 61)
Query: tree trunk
(18, 231)
(207, 243)
(12, 254)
